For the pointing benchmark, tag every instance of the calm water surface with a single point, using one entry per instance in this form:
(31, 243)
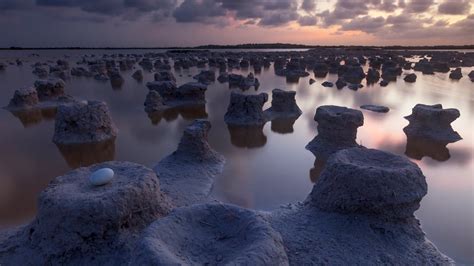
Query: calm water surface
(264, 169)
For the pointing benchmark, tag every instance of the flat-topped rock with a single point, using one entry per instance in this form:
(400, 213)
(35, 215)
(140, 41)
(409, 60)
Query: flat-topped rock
(153, 102)
(283, 105)
(210, 234)
(83, 122)
(432, 122)
(50, 89)
(79, 223)
(187, 175)
(410, 78)
(24, 98)
(246, 109)
(337, 129)
(371, 182)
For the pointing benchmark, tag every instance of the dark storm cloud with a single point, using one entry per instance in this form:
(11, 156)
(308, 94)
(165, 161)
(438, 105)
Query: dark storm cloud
(418, 6)
(308, 5)
(450, 7)
(111, 7)
(15, 4)
(198, 11)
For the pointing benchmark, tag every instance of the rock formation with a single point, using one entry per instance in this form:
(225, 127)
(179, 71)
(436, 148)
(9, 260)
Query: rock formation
(246, 110)
(283, 105)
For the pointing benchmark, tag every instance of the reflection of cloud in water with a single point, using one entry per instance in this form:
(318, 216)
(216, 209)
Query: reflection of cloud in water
(78, 155)
(34, 116)
(247, 136)
(187, 113)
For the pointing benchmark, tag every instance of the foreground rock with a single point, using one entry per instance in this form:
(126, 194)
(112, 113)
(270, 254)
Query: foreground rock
(246, 110)
(187, 175)
(83, 122)
(283, 105)
(359, 212)
(337, 129)
(210, 234)
(78, 223)
(432, 122)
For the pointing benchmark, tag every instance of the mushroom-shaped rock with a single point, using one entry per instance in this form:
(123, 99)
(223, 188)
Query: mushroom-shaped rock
(83, 122)
(79, 223)
(153, 102)
(411, 78)
(164, 76)
(246, 109)
(283, 105)
(371, 182)
(337, 129)
(187, 175)
(50, 89)
(190, 93)
(24, 98)
(456, 74)
(373, 75)
(432, 122)
(210, 234)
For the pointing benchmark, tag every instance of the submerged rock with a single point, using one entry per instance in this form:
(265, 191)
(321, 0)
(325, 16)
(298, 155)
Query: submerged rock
(210, 234)
(371, 182)
(432, 122)
(375, 108)
(246, 109)
(337, 129)
(78, 223)
(187, 175)
(283, 105)
(83, 122)
(411, 78)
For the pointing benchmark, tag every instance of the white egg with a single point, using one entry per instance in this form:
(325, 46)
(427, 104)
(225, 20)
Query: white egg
(101, 176)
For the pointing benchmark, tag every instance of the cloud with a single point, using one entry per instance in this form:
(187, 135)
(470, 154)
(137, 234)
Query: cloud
(15, 4)
(198, 11)
(458, 7)
(307, 20)
(308, 5)
(365, 24)
(419, 6)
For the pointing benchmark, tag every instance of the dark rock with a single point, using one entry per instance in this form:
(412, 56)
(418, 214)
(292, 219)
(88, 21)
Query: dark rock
(432, 122)
(24, 98)
(372, 76)
(311, 81)
(329, 84)
(375, 108)
(383, 83)
(456, 74)
(153, 102)
(283, 105)
(138, 75)
(411, 78)
(83, 122)
(337, 129)
(206, 76)
(50, 89)
(340, 83)
(246, 109)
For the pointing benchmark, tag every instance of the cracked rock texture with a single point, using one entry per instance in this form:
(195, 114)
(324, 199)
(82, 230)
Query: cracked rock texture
(337, 129)
(246, 109)
(210, 234)
(432, 122)
(24, 98)
(50, 89)
(83, 122)
(82, 224)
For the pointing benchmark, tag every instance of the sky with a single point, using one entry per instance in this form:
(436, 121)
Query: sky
(161, 23)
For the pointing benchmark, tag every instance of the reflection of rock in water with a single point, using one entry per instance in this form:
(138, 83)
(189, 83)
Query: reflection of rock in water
(247, 136)
(283, 125)
(29, 117)
(315, 172)
(417, 148)
(77, 155)
(187, 112)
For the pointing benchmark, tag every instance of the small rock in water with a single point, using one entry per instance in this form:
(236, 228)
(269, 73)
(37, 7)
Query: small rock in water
(101, 176)
(375, 108)
(327, 84)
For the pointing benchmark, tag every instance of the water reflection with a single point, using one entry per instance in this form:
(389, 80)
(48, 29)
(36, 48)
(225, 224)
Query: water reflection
(78, 155)
(247, 136)
(417, 148)
(34, 116)
(187, 112)
(283, 125)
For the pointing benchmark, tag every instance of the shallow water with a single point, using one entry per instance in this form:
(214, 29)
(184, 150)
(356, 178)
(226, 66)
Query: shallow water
(264, 169)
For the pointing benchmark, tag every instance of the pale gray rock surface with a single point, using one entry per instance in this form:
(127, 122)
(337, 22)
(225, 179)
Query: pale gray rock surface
(210, 234)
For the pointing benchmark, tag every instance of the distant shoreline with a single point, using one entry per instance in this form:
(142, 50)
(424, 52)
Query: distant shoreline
(256, 46)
